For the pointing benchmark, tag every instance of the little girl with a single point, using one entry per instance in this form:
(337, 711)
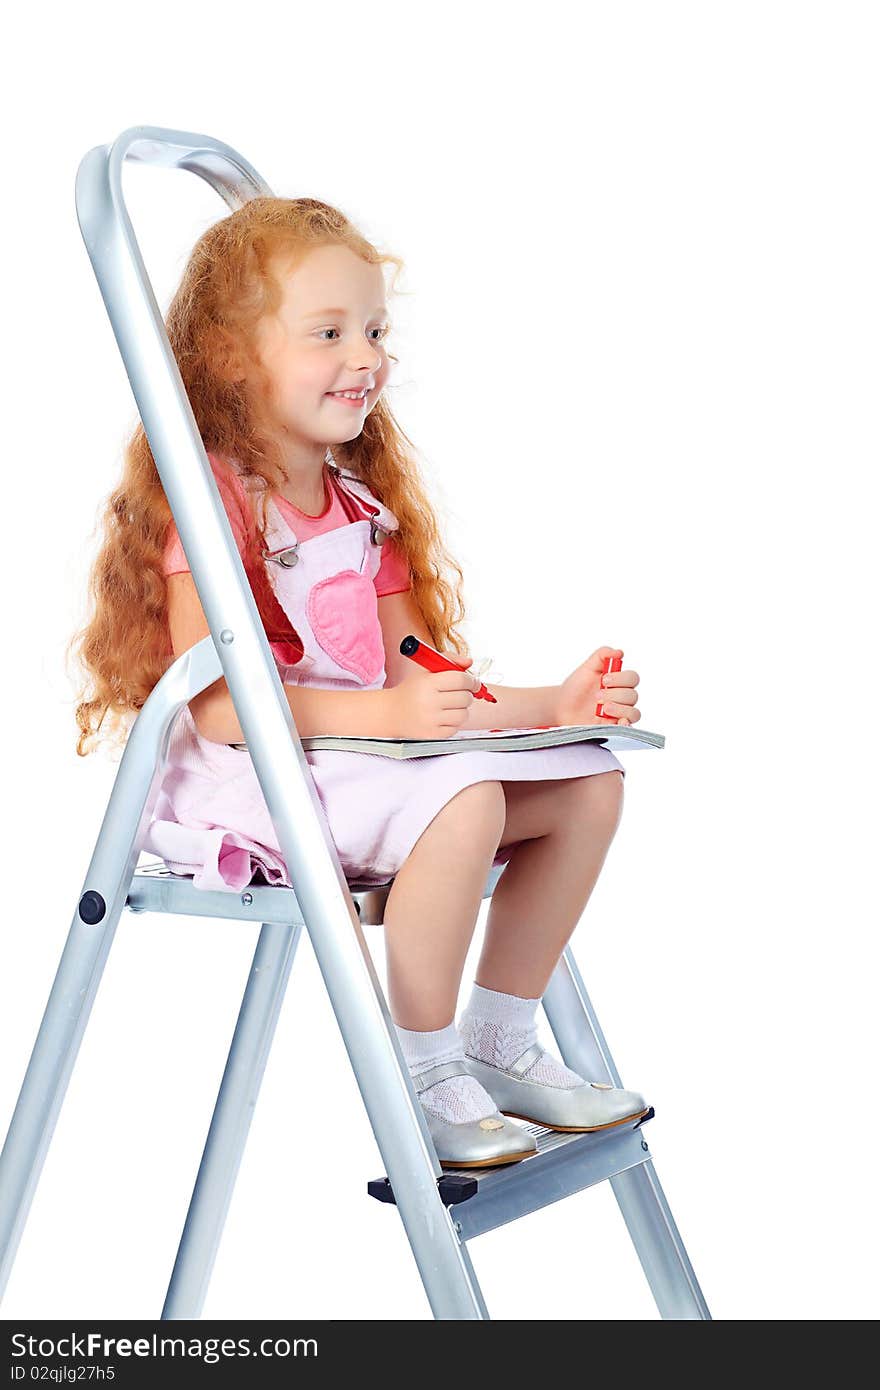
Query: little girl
(279, 329)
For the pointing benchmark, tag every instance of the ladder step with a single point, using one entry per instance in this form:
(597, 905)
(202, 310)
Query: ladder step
(484, 1198)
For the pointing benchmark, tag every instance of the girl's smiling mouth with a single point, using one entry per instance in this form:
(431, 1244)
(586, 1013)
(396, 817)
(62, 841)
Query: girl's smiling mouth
(347, 398)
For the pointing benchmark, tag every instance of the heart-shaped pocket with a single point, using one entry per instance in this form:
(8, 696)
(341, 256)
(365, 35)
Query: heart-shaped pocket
(344, 615)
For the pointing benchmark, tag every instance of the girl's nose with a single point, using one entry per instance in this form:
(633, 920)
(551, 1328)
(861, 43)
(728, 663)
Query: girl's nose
(365, 356)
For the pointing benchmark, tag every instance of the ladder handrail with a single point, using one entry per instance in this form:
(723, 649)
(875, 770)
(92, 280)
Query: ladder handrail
(254, 683)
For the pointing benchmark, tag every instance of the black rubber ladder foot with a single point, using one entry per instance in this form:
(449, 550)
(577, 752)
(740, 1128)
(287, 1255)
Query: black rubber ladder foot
(453, 1188)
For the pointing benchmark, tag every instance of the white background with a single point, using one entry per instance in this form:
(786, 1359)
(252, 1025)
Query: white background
(639, 357)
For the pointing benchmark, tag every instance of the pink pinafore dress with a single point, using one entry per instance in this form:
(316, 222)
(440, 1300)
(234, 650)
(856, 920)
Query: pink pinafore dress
(211, 820)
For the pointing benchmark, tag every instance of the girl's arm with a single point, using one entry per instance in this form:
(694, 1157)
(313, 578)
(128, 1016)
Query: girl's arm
(366, 712)
(518, 707)
(399, 616)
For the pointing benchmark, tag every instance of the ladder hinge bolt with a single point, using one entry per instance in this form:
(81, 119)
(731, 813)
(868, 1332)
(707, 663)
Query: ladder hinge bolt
(92, 907)
(645, 1145)
(227, 636)
(247, 899)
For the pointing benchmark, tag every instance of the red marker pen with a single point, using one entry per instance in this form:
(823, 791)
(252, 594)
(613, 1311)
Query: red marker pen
(612, 663)
(431, 660)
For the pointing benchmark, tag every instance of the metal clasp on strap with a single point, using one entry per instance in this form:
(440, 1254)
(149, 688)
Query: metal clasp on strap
(378, 535)
(287, 557)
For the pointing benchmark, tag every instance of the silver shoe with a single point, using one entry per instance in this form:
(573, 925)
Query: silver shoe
(472, 1143)
(592, 1105)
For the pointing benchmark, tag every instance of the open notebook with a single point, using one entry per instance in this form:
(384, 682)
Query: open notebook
(497, 740)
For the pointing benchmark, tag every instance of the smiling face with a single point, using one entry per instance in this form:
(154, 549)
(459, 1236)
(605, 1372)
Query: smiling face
(327, 337)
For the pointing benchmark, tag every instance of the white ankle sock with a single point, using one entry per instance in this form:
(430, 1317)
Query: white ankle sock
(455, 1099)
(497, 1028)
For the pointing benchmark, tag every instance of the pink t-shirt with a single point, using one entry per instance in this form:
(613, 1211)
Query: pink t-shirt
(392, 576)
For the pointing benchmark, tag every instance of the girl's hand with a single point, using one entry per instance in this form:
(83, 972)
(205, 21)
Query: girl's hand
(579, 693)
(432, 704)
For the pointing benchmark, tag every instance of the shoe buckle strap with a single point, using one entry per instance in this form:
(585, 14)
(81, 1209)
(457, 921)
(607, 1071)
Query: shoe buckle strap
(423, 1079)
(523, 1062)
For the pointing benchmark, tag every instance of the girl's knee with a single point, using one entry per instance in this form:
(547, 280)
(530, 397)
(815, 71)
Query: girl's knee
(482, 805)
(601, 794)
(613, 779)
(610, 792)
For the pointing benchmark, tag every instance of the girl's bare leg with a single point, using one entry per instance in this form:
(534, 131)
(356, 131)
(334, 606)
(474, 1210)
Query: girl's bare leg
(567, 827)
(433, 904)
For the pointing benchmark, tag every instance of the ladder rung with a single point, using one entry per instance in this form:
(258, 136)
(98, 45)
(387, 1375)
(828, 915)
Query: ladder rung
(484, 1198)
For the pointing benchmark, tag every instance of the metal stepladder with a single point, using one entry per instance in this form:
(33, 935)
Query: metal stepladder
(441, 1209)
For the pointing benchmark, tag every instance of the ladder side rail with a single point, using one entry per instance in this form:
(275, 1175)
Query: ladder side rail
(258, 697)
(639, 1195)
(99, 905)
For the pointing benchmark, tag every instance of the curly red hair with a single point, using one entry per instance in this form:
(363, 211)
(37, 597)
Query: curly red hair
(228, 284)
